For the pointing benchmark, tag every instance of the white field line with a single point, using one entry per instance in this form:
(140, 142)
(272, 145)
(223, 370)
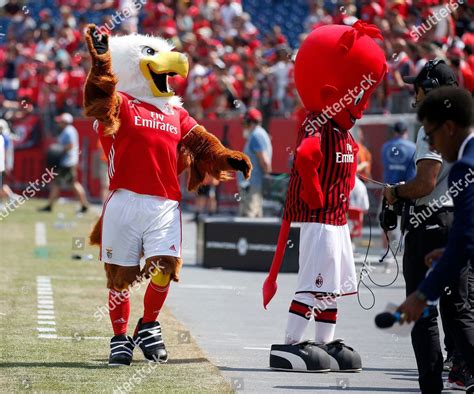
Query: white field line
(40, 234)
(45, 302)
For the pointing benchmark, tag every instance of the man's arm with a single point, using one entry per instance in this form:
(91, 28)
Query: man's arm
(264, 162)
(422, 185)
(461, 237)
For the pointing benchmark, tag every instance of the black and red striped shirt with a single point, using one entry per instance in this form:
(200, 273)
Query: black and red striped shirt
(336, 174)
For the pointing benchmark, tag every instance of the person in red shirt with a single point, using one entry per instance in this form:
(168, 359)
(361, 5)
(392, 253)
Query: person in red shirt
(148, 138)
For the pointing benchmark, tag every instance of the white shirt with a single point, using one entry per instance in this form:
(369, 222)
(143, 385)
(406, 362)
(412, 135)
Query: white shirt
(463, 145)
(2, 154)
(423, 152)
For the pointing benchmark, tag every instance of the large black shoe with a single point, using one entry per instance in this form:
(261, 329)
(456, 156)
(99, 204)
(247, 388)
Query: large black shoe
(343, 357)
(456, 378)
(47, 208)
(148, 337)
(121, 351)
(469, 383)
(299, 357)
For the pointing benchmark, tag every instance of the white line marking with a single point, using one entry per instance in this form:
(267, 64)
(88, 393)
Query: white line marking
(45, 303)
(45, 312)
(47, 336)
(214, 287)
(46, 317)
(40, 235)
(256, 348)
(46, 329)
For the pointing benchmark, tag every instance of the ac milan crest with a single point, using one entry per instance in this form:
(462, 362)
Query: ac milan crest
(319, 281)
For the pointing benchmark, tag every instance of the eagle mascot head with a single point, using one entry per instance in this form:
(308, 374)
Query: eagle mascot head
(143, 65)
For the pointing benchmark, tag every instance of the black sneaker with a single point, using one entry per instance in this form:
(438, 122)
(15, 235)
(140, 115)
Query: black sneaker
(299, 357)
(344, 358)
(47, 208)
(121, 350)
(456, 378)
(83, 210)
(148, 337)
(469, 383)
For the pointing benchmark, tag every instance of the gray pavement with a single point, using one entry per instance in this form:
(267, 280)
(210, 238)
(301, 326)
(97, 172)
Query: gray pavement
(223, 311)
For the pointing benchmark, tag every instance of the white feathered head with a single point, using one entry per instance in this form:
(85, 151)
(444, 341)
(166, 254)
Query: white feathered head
(142, 65)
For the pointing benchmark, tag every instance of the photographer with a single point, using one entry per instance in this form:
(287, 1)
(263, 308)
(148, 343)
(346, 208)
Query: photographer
(259, 149)
(427, 228)
(447, 115)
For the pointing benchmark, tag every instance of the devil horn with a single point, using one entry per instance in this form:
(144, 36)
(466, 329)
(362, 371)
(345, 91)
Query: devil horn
(368, 29)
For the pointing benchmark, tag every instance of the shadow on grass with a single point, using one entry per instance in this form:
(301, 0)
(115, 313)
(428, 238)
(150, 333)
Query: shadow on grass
(98, 363)
(351, 388)
(53, 365)
(170, 361)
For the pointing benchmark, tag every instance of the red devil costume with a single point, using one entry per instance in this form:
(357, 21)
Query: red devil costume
(336, 70)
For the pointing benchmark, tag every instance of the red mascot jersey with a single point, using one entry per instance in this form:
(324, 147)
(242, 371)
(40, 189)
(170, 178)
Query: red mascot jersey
(142, 155)
(336, 174)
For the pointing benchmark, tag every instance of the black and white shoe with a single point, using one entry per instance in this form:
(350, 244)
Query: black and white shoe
(343, 357)
(121, 351)
(469, 383)
(299, 357)
(148, 337)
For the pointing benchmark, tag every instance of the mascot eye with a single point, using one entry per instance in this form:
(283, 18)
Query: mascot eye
(147, 51)
(358, 98)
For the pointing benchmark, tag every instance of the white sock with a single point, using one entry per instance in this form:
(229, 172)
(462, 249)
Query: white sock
(325, 319)
(298, 317)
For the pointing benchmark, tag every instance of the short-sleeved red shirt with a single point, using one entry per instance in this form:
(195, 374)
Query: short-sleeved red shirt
(142, 155)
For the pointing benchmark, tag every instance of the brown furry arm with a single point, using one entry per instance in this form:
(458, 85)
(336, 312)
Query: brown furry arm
(100, 98)
(213, 158)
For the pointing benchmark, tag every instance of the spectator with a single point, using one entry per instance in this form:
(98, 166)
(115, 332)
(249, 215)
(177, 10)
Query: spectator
(397, 156)
(67, 170)
(206, 200)
(259, 150)
(364, 165)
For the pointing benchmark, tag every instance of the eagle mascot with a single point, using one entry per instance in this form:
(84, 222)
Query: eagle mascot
(337, 68)
(149, 138)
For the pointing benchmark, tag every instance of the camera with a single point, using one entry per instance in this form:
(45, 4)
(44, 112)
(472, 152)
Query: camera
(388, 216)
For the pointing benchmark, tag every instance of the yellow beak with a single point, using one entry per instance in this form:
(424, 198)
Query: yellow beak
(157, 68)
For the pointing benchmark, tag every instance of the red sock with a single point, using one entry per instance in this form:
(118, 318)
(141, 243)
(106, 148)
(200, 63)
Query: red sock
(155, 297)
(119, 310)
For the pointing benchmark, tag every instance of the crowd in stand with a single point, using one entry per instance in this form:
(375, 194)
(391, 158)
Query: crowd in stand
(43, 61)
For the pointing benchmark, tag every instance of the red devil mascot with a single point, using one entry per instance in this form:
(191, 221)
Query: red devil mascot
(337, 68)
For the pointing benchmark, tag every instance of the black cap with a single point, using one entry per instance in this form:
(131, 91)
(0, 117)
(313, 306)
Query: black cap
(399, 127)
(435, 73)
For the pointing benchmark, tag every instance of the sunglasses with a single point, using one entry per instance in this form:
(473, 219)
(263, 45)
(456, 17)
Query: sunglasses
(430, 135)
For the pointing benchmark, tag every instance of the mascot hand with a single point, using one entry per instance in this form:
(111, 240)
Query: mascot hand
(238, 161)
(97, 43)
(307, 162)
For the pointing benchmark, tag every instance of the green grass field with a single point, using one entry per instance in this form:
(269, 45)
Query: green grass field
(76, 361)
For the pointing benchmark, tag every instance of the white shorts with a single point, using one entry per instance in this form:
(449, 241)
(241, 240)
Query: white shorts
(134, 223)
(326, 262)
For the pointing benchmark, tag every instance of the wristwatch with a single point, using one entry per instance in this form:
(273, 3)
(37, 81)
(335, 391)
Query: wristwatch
(419, 295)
